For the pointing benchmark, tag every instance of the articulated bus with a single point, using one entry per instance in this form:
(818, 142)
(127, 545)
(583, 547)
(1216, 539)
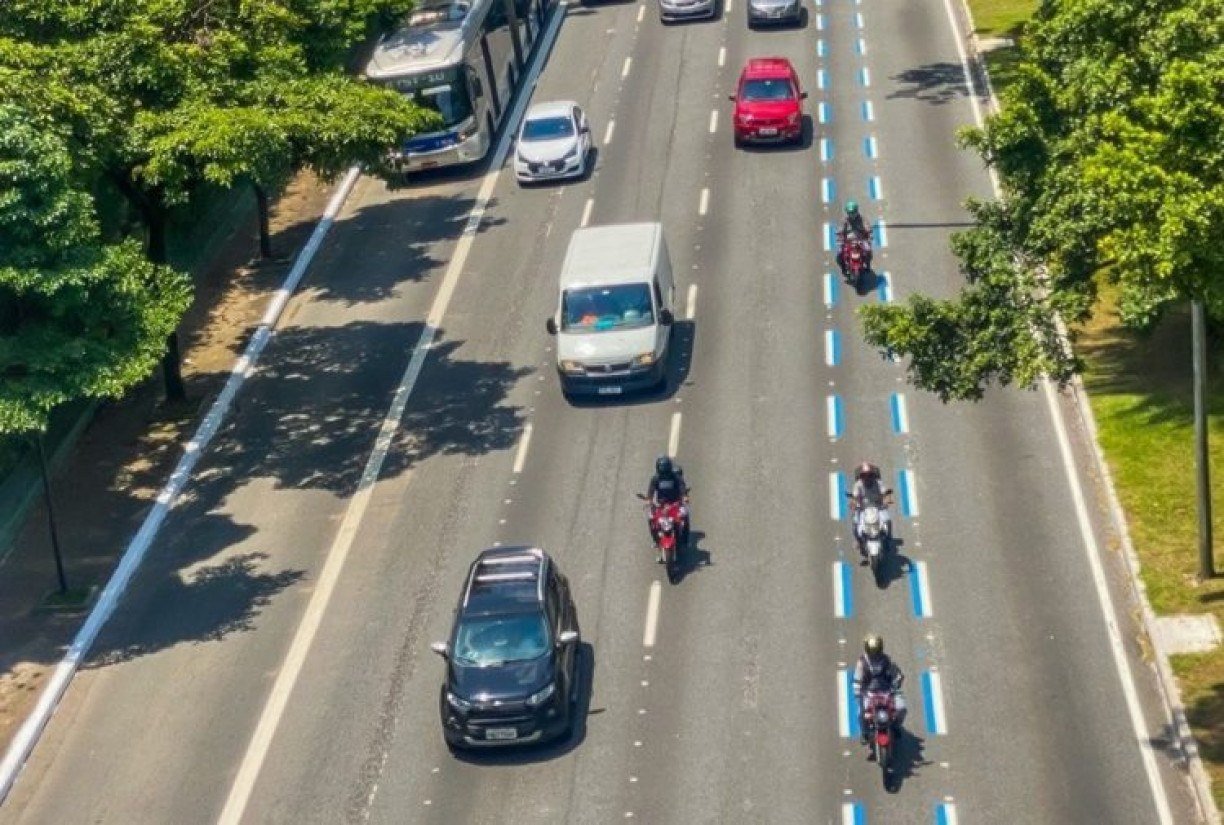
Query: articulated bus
(465, 60)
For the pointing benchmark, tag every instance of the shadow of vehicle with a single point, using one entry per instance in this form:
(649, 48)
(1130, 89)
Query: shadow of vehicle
(893, 566)
(584, 672)
(691, 557)
(907, 758)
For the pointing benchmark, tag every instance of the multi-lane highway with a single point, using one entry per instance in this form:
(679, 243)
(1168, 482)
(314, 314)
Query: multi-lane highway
(227, 687)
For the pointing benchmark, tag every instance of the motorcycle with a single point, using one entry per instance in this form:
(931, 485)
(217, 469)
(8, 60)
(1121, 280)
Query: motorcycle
(670, 528)
(873, 530)
(855, 258)
(880, 724)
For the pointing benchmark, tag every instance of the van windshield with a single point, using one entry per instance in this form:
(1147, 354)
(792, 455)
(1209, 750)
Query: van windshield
(606, 308)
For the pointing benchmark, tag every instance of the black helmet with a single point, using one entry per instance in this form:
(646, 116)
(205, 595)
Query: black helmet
(873, 645)
(663, 465)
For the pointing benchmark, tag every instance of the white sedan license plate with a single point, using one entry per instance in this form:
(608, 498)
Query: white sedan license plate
(501, 733)
(609, 390)
(768, 132)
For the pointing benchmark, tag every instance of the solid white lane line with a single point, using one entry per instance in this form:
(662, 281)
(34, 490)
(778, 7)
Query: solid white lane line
(31, 729)
(691, 309)
(673, 438)
(608, 132)
(628, 62)
(652, 615)
(329, 575)
(1121, 663)
(713, 120)
(703, 203)
(524, 443)
(722, 56)
(586, 211)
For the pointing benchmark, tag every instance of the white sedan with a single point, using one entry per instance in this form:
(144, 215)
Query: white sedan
(553, 142)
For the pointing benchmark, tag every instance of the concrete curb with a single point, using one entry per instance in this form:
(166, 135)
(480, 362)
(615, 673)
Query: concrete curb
(1166, 682)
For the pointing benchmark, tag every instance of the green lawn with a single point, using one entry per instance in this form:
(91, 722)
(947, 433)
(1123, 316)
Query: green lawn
(1001, 18)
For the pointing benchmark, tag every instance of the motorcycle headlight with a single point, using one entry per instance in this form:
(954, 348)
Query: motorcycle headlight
(571, 367)
(881, 717)
(644, 360)
(457, 702)
(541, 696)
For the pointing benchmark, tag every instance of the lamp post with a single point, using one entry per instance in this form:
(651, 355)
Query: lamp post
(1198, 334)
(55, 547)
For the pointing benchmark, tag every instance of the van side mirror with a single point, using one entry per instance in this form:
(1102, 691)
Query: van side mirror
(551, 326)
(441, 648)
(666, 318)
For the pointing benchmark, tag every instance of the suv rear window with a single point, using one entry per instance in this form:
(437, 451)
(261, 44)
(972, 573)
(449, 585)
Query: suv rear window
(485, 641)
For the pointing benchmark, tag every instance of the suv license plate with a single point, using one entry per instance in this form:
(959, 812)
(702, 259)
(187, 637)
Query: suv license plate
(768, 132)
(501, 733)
(609, 390)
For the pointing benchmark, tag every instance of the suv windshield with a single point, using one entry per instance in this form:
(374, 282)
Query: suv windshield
(548, 128)
(773, 88)
(603, 308)
(486, 641)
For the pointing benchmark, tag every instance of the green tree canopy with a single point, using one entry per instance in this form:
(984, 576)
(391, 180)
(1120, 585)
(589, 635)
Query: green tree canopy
(77, 318)
(1110, 149)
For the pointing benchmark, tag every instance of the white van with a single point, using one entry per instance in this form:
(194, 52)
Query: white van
(615, 300)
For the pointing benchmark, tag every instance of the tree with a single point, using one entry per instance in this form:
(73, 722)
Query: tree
(78, 318)
(208, 91)
(1110, 149)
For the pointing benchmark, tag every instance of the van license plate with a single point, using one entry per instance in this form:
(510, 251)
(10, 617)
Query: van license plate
(501, 733)
(609, 390)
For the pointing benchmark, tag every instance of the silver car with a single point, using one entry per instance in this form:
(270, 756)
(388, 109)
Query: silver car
(554, 142)
(765, 12)
(670, 10)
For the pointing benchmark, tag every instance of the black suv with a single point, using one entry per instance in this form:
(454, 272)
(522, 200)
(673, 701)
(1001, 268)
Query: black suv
(511, 659)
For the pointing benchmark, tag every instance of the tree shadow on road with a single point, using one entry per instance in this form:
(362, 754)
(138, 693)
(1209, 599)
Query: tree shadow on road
(936, 83)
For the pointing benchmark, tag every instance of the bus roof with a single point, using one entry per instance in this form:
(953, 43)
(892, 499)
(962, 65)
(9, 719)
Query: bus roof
(432, 37)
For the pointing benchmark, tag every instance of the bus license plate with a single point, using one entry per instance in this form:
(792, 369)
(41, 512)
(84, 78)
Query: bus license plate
(502, 734)
(609, 390)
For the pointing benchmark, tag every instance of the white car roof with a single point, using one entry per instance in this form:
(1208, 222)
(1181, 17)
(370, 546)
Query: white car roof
(552, 108)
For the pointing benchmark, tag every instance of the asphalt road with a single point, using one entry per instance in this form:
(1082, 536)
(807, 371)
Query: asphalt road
(731, 713)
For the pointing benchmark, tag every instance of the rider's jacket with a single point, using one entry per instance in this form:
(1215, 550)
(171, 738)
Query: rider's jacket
(875, 673)
(855, 225)
(668, 487)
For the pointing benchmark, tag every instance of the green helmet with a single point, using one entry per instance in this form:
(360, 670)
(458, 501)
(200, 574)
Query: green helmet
(851, 207)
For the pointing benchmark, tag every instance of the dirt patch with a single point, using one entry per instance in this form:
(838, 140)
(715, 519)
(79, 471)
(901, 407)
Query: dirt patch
(104, 488)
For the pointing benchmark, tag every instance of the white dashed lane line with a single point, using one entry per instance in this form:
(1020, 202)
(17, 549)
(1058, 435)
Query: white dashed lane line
(722, 56)
(586, 211)
(673, 438)
(691, 309)
(520, 457)
(703, 203)
(625, 67)
(608, 132)
(652, 615)
(713, 121)
(641, 13)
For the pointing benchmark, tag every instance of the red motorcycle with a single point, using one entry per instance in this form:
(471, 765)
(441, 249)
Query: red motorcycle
(855, 257)
(669, 527)
(880, 726)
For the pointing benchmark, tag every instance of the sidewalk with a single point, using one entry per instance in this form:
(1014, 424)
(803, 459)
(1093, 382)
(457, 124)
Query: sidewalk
(104, 484)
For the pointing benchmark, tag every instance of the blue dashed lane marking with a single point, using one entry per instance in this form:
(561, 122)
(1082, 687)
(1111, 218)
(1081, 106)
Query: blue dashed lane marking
(870, 148)
(826, 150)
(909, 495)
(884, 288)
(868, 111)
(830, 290)
(874, 189)
(900, 417)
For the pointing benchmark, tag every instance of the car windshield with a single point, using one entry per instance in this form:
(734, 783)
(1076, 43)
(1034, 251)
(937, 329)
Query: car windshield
(604, 308)
(493, 641)
(773, 88)
(548, 128)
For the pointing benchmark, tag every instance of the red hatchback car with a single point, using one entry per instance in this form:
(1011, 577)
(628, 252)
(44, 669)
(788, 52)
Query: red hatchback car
(768, 103)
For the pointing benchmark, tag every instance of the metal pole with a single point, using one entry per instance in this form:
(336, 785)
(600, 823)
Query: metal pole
(55, 547)
(1198, 333)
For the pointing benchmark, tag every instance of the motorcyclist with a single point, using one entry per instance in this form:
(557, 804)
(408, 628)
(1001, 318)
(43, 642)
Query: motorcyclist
(667, 486)
(867, 491)
(855, 228)
(875, 672)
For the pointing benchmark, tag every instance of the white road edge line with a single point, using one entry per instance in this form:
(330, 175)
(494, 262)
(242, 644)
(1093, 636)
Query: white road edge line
(32, 728)
(608, 132)
(673, 437)
(1121, 663)
(652, 615)
(691, 308)
(520, 458)
(703, 204)
(295, 658)
(586, 211)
